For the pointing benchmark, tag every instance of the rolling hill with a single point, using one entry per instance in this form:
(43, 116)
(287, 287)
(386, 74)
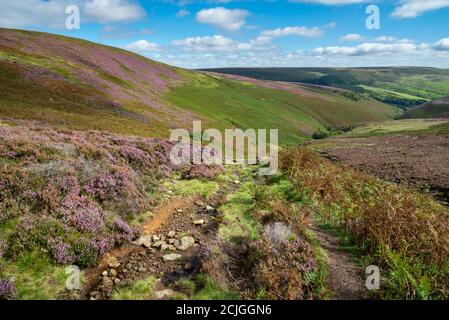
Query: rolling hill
(400, 86)
(82, 85)
(434, 109)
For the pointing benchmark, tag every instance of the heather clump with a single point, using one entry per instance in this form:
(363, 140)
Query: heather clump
(7, 290)
(72, 192)
(284, 270)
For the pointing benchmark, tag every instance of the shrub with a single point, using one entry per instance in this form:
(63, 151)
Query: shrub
(392, 223)
(7, 290)
(283, 269)
(320, 135)
(86, 255)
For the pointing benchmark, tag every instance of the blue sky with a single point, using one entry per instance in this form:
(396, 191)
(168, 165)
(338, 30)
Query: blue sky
(220, 33)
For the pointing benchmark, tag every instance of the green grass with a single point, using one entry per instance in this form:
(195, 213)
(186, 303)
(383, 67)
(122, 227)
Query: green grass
(385, 92)
(195, 186)
(67, 99)
(395, 228)
(401, 86)
(35, 276)
(238, 222)
(139, 290)
(204, 287)
(227, 103)
(397, 127)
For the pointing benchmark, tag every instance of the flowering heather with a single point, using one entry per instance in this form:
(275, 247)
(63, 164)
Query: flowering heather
(7, 290)
(102, 245)
(82, 213)
(61, 251)
(72, 191)
(125, 232)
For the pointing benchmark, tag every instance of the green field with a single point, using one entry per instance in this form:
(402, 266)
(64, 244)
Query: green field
(43, 78)
(229, 103)
(400, 86)
(400, 126)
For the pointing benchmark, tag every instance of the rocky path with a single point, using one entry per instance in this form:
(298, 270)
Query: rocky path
(345, 279)
(168, 249)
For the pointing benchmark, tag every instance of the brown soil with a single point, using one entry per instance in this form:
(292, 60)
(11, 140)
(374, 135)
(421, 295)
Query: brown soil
(137, 262)
(345, 279)
(419, 161)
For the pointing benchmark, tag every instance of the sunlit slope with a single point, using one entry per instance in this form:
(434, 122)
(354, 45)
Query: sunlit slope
(78, 84)
(434, 109)
(400, 86)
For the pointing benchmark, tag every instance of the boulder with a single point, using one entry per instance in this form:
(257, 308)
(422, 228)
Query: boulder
(171, 257)
(164, 294)
(171, 234)
(143, 241)
(158, 244)
(186, 242)
(198, 222)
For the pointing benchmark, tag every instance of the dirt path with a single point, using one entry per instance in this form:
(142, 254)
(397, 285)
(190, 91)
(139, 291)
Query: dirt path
(172, 222)
(345, 280)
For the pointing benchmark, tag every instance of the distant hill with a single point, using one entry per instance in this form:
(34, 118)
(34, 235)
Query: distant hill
(404, 87)
(434, 109)
(82, 85)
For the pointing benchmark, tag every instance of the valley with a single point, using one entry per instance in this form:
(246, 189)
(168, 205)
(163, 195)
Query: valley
(86, 179)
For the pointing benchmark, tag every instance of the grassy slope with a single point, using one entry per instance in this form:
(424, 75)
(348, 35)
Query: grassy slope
(228, 103)
(82, 85)
(434, 109)
(405, 86)
(406, 126)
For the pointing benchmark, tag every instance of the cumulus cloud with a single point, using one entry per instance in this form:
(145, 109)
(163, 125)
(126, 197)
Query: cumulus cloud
(385, 39)
(441, 45)
(143, 46)
(51, 13)
(225, 19)
(352, 37)
(15, 14)
(293, 31)
(368, 49)
(113, 10)
(211, 43)
(414, 8)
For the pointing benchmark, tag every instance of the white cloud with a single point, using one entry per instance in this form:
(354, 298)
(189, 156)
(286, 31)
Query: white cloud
(331, 2)
(210, 44)
(368, 49)
(113, 10)
(182, 13)
(293, 31)
(441, 45)
(15, 14)
(414, 8)
(143, 46)
(225, 19)
(51, 13)
(352, 37)
(385, 39)
(261, 40)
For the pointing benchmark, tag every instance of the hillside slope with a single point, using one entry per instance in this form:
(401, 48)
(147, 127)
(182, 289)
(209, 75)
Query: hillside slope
(434, 109)
(82, 85)
(400, 86)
